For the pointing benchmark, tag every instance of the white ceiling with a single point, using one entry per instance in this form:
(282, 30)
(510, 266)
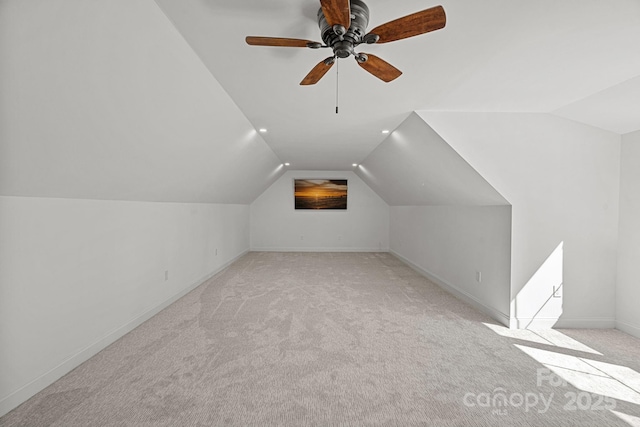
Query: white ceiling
(533, 56)
(616, 108)
(105, 100)
(416, 167)
(160, 99)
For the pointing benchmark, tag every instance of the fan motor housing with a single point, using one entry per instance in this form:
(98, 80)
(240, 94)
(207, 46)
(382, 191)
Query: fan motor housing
(343, 47)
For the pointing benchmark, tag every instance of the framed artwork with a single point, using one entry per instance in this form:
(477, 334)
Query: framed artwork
(320, 193)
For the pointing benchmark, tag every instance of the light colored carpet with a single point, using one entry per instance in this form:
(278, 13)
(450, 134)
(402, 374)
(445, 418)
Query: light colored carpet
(328, 339)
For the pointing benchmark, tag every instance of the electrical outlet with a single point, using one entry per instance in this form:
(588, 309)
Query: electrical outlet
(557, 291)
(479, 276)
(166, 275)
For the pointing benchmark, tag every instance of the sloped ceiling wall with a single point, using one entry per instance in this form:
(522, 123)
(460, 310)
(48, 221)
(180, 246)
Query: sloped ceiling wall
(414, 166)
(562, 179)
(105, 100)
(573, 57)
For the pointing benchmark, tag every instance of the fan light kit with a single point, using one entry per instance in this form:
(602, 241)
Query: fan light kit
(343, 26)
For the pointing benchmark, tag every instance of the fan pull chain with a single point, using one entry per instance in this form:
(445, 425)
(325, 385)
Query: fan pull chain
(337, 86)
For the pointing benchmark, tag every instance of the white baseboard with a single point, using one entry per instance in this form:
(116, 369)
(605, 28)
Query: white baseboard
(296, 249)
(459, 293)
(628, 328)
(555, 323)
(19, 396)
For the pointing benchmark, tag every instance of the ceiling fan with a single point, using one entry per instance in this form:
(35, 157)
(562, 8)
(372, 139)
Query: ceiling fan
(343, 26)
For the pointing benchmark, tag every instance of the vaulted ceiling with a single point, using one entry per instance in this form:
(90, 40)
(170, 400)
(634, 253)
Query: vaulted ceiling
(577, 58)
(162, 99)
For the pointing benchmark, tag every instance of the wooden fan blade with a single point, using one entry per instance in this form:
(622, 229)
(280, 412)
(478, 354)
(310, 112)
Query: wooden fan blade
(411, 25)
(380, 68)
(277, 41)
(337, 12)
(317, 73)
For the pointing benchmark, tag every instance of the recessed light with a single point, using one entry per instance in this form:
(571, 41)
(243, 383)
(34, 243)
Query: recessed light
(354, 165)
(386, 131)
(287, 164)
(262, 130)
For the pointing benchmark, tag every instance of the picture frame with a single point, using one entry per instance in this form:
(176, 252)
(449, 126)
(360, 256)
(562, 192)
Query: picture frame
(320, 194)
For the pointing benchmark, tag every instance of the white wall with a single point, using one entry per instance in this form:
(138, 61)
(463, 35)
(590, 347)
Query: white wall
(277, 226)
(628, 285)
(446, 220)
(562, 179)
(77, 274)
(107, 101)
(450, 244)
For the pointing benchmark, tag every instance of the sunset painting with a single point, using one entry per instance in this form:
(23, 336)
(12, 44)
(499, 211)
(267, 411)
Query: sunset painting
(320, 193)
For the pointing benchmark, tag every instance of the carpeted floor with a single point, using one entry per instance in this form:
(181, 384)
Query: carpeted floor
(341, 339)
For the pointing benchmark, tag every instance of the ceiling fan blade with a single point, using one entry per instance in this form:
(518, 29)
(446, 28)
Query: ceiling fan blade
(318, 72)
(411, 25)
(279, 41)
(337, 12)
(379, 68)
